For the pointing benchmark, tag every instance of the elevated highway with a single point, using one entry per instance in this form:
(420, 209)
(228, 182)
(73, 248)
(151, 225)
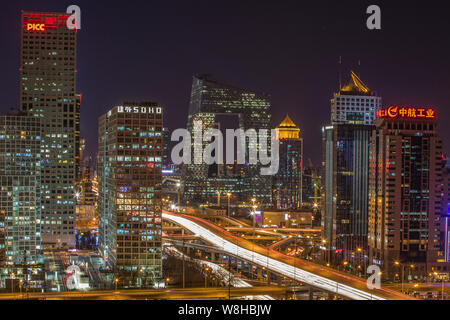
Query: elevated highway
(312, 274)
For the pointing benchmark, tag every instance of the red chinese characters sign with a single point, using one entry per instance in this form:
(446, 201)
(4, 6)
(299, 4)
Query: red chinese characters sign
(395, 112)
(43, 21)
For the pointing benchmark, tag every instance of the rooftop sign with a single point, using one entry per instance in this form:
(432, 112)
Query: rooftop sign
(396, 112)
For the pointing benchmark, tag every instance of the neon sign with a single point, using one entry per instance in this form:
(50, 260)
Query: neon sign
(36, 26)
(396, 112)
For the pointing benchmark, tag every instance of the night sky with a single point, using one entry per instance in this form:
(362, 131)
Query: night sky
(149, 50)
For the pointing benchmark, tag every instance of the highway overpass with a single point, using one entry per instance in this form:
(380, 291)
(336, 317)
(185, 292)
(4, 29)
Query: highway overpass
(300, 270)
(165, 294)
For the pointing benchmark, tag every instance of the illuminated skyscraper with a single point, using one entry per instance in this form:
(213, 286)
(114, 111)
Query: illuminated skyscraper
(203, 182)
(287, 183)
(405, 191)
(345, 177)
(129, 202)
(20, 196)
(47, 90)
(345, 204)
(354, 103)
(445, 229)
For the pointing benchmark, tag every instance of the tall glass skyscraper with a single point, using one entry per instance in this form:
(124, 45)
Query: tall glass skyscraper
(203, 182)
(130, 159)
(345, 177)
(47, 91)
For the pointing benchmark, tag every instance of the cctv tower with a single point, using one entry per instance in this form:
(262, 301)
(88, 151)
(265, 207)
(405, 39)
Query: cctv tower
(211, 100)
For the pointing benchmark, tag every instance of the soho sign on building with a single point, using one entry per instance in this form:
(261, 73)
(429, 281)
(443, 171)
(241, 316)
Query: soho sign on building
(139, 109)
(122, 109)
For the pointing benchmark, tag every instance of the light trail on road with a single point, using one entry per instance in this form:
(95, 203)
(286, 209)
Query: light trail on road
(222, 273)
(271, 264)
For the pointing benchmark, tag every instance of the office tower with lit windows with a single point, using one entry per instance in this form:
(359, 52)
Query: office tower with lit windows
(216, 104)
(345, 205)
(445, 229)
(287, 182)
(405, 192)
(345, 177)
(354, 103)
(47, 91)
(129, 202)
(20, 196)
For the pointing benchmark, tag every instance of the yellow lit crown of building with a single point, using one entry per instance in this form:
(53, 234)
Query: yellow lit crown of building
(287, 129)
(355, 85)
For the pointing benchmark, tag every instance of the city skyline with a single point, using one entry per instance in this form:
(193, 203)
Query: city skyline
(303, 52)
(349, 200)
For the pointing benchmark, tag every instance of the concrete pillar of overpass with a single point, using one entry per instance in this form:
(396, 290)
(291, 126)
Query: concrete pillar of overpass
(311, 293)
(268, 277)
(279, 278)
(259, 272)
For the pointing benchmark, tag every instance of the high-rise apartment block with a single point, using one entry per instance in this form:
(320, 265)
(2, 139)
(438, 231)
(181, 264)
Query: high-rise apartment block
(130, 182)
(47, 91)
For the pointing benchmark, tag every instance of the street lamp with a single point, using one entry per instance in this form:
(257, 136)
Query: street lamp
(116, 280)
(12, 282)
(397, 263)
(178, 189)
(442, 280)
(228, 209)
(206, 275)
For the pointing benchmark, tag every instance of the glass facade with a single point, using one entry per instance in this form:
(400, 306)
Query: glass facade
(202, 182)
(346, 190)
(346, 161)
